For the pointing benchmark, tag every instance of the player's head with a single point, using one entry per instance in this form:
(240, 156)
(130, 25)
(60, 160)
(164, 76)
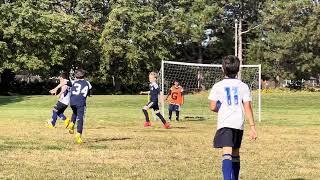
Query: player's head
(153, 76)
(176, 83)
(79, 74)
(63, 76)
(230, 65)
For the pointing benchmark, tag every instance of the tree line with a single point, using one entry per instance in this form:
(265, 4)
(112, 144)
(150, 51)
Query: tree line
(119, 41)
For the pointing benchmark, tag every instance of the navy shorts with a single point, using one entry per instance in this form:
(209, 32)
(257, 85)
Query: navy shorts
(174, 107)
(60, 107)
(228, 137)
(153, 105)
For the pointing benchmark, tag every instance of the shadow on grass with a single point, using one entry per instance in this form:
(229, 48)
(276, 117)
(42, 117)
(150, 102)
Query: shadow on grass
(4, 100)
(297, 179)
(106, 139)
(101, 127)
(179, 127)
(196, 118)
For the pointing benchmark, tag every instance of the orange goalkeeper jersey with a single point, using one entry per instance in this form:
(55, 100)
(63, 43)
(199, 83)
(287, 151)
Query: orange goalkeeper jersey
(176, 94)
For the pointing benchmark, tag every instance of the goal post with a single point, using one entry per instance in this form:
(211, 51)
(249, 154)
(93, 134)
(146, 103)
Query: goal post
(197, 80)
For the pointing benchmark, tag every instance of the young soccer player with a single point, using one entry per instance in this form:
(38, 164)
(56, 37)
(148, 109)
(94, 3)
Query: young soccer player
(229, 98)
(176, 99)
(79, 91)
(62, 104)
(153, 102)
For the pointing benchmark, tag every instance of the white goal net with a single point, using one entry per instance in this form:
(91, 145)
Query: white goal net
(198, 79)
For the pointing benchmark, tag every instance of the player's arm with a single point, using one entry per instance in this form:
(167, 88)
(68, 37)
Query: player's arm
(63, 89)
(160, 97)
(214, 100)
(213, 106)
(90, 93)
(169, 93)
(54, 90)
(249, 113)
(145, 92)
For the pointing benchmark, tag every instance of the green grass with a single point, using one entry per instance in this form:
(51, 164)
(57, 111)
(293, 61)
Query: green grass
(117, 146)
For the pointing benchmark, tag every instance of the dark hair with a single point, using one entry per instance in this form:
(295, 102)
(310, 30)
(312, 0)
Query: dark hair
(230, 65)
(79, 73)
(64, 75)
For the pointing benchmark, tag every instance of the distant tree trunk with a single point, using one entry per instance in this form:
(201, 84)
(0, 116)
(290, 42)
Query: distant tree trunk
(116, 83)
(277, 81)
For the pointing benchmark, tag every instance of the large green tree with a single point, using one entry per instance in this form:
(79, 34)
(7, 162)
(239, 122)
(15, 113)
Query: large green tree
(289, 43)
(44, 37)
(33, 39)
(139, 34)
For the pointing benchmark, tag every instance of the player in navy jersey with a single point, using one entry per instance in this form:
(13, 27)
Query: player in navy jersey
(62, 104)
(153, 101)
(80, 89)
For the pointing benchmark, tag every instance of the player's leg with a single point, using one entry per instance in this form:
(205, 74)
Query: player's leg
(155, 107)
(80, 120)
(61, 111)
(73, 119)
(224, 139)
(145, 112)
(62, 116)
(227, 168)
(177, 109)
(54, 116)
(237, 139)
(61, 108)
(236, 163)
(170, 111)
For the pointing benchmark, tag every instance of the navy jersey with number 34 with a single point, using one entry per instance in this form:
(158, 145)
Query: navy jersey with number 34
(79, 92)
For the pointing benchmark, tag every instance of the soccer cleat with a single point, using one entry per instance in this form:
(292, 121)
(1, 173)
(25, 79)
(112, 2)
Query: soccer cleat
(50, 126)
(71, 128)
(78, 138)
(167, 125)
(147, 124)
(66, 122)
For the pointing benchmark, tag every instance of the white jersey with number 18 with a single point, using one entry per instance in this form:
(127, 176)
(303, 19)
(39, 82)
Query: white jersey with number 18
(231, 93)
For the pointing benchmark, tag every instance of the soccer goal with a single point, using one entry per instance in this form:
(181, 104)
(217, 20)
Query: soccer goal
(198, 79)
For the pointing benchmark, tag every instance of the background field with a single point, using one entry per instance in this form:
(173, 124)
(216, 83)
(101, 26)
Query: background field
(118, 147)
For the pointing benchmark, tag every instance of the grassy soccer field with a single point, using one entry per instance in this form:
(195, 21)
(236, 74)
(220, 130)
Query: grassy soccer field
(117, 146)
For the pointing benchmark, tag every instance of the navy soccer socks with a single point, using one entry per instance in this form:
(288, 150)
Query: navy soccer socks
(145, 112)
(177, 115)
(170, 114)
(227, 167)
(54, 118)
(161, 118)
(62, 116)
(236, 166)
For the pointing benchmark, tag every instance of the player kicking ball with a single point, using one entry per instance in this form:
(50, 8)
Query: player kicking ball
(62, 104)
(78, 101)
(229, 98)
(153, 101)
(176, 99)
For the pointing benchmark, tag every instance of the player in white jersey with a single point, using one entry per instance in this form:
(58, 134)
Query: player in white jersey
(231, 99)
(62, 104)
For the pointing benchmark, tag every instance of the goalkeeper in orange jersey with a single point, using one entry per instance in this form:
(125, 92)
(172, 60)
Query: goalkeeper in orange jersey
(176, 99)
